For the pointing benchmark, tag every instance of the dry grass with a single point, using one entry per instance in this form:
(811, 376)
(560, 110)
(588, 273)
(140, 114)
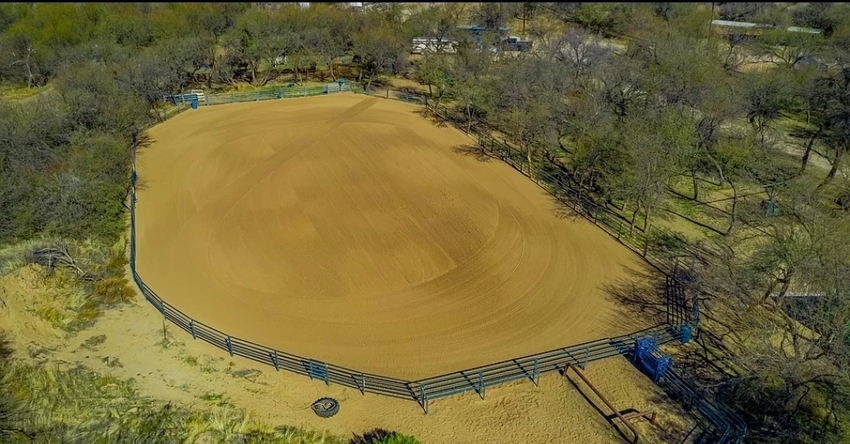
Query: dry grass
(22, 93)
(78, 405)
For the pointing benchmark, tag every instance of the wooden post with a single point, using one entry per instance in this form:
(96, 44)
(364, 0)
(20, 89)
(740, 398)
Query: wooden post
(192, 327)
(326, 374)
(620, 229)
(164, 330)
(646, 243)
(275, 361)
(229, 345)
(362, 384)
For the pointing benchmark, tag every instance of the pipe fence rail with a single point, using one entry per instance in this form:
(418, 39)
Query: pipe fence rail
(659, 247)
(715, 416)
(182, 102)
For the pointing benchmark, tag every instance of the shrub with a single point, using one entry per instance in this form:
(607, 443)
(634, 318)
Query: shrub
(381, 436)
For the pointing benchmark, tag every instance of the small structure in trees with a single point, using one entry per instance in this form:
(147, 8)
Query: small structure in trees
(770, 206)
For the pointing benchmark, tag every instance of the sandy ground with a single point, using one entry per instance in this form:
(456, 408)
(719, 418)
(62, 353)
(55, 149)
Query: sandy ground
(351, 230)
(425, 232)
(196, 374)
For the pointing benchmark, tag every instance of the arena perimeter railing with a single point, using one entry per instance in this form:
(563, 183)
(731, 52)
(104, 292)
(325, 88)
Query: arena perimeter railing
(182, 102)
(658, 247)
(476, 379)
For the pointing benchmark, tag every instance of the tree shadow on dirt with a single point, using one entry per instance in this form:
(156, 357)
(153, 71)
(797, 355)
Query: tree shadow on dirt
(564, 208)
(681, 431)
(473, 151)
(703, 361)
(432, 117)
(641, 294)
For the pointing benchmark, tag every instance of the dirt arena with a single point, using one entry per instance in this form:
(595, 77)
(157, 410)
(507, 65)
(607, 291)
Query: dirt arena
(351, 230)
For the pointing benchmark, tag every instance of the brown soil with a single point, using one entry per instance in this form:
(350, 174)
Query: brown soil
(551, 293)
(195, 374)
(350, 230)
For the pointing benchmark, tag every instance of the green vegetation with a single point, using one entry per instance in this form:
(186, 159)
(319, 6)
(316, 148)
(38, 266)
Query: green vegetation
(672, 130)
(687, 131)
(381, 436)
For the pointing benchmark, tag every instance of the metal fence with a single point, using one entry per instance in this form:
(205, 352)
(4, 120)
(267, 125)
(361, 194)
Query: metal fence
(420, 391)
(661, 248)
(280, 92)
(182, 102)
(716, 417)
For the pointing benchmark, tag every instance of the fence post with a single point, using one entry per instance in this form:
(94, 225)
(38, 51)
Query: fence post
(229, 346)
(258, 96)
(481, 383)
(388, 93)
(535, 373)
(646, 242)
(362, 384)
(192, 328)
(620, 229)
(586, 357)
(635, 357)
(305, 91)
(275, 361)
(424, 397)
(279, 93)
(231, 98)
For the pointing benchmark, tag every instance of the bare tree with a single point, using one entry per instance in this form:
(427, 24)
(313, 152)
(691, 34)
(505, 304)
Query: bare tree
(580, 51)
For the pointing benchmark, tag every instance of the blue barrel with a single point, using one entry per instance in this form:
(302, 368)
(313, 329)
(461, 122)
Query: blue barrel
(195, 103)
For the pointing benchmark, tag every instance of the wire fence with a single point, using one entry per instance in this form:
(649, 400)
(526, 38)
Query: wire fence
(708, 411)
